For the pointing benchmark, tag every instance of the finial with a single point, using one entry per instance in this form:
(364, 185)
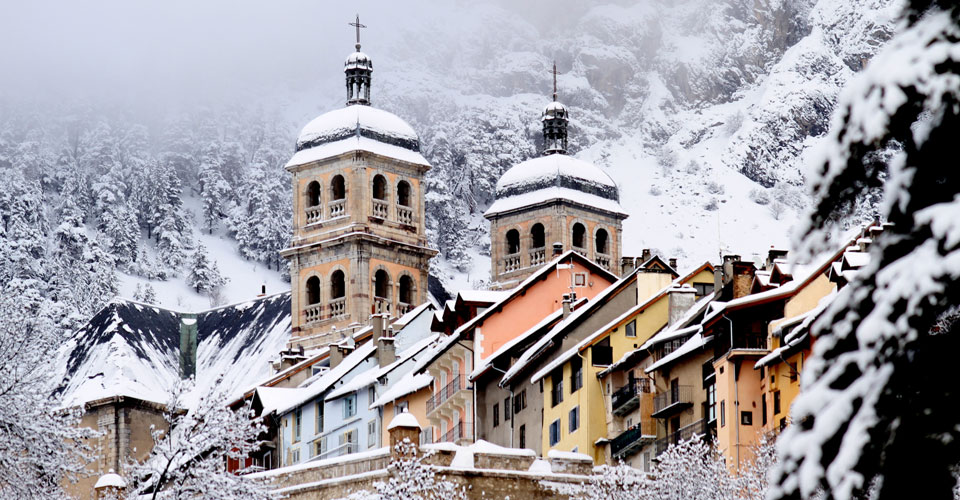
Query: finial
(554, 71)
(357, 25)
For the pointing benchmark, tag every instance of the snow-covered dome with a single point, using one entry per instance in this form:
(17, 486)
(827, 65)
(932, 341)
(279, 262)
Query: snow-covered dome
(554, 110)
(358, 121)
(358, 60)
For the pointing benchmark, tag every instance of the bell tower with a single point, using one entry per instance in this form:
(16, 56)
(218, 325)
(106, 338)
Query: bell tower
(359, 245)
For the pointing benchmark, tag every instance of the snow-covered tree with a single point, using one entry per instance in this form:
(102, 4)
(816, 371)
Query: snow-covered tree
(204, 275)
(878, 404)
(693, 468)
(619, 482)
(172, 234)
(189, 458)
(41, 444)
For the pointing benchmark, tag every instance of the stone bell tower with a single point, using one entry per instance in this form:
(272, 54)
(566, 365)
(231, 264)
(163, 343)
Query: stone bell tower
(359, 246)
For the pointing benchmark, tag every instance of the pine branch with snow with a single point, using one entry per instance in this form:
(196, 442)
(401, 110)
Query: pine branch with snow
(878, 406)
(412, 479)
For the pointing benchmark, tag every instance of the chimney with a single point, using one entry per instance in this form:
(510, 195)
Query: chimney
(727, 267)
(336, 356)
(645, 256)
(263, 290)
(568, 299)
(679, 300)
(742, 278)
(717, 279)
(377, 322)
(773, 255)
(557, 248)
(386, 350)
(188, 345)
(627, 265)
(673, 263)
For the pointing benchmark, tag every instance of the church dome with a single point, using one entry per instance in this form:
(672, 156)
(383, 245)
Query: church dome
(556, 171)
(358, 60)
(554, 110)
(358, 121)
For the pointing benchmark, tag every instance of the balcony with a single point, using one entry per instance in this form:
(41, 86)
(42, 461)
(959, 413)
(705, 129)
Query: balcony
(627, 398)
(314, 214)
(337, 208)
(603, 261)
(457, 384)
(381, 305)
(338, 308)
(632, 440)
(675, 400)
(403, 308)
(511, 263)
(698, 428)
(313, 312)
(404, 215)
(463, 430)
(380, 209)
(538, 256)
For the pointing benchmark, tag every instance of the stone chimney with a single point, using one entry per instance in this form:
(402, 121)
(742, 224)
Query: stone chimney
(673, 263)
(645, 256)
(773, 255)
(627, 265)
(404, 428)
(727, 267)
(377, 321)
(557, 248)
(188, 345)
(742, 278)
(568, 300)
(679, 300)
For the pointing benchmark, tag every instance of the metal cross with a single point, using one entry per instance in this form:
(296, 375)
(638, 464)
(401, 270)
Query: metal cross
(554, 71)
(358, 26)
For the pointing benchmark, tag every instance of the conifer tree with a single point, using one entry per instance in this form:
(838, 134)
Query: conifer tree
(204, 275)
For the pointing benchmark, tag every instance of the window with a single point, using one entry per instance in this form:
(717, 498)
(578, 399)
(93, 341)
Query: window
(555, 432)
(763, 409)
(319, 423)
(746, 418)
(537, 237)
(379, 187)
(580, 279)
(631, 329)
(776, 402)
(350, 406)
(403, 193)
(506, 409)
(338, 190)
(313, 194)
(523, 436)
(523, 399)
(348, 442)
(723, 413)
(574, 420)
(519, 401)
(646, 461)
(496, 414)
(319, 447)
(711, 403)
(380, 283)
(338, 287)
(371, 395)
(313, 290)
(578, 232)
(703, 289)
(783, 423)
(602, 353)
(371, 434)
(296, 456)
(576, 374)
(297, 424)
(406, 289)
(513, 241)
(556, 392)
(600, 243)
(401, 407)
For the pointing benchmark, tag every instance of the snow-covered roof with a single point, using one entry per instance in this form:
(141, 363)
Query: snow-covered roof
(408, 384)
(110, 480)
(327, 379)
(132, 349)
(412, 314)
(370, 376)
(348, 144)
(404, 419)
(693, 343)
(556, 177)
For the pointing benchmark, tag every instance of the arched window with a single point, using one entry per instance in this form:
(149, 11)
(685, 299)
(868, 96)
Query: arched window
(406, 289)
(313, 290)
(313, 194)
(513, 241)
(338, 287)
(379, 188)
(380, 281)
(338, 189)
(403, 193)
(536, 236)
(601, 241)
(578, 233)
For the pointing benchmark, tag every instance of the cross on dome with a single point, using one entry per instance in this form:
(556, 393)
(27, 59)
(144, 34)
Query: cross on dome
(358, 70)
(554, 120)
(357, 25)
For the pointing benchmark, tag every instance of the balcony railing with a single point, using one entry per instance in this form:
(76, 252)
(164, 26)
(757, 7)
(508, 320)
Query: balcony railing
(338, 308)
(338, 208)
(314, 214)
(445, 393)
(676, 399)
(463, 430)
(403, 308)
(603, 261)
(380, 209)
(627, 398)
(381, 305)
(538, 256)
(698, 428)
(404, 214)
(632, 440)
(580, 250)
(511, 263)
(313, 312)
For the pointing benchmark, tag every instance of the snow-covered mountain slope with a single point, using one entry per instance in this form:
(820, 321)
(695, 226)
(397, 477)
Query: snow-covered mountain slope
(707, 113)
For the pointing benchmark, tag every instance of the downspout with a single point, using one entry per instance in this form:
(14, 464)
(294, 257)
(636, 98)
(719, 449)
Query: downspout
(513, 414)
(736, 394)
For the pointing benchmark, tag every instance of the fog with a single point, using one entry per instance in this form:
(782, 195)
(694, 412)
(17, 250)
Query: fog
(113, 51)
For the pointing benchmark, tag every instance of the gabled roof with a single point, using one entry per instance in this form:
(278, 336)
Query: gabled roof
(326, 380)
(512, 294)
(132, 349)
(695, 342)
(373, 374)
